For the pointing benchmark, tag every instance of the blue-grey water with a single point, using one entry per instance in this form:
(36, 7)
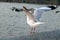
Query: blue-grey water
(13, 24)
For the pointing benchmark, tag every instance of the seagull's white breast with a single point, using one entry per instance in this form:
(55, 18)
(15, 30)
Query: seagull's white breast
(32, 23)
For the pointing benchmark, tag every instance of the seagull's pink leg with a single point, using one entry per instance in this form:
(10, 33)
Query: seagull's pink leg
(34, 29)
(31, 30)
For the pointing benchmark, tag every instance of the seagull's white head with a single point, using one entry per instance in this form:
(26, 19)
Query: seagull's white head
(55, 5)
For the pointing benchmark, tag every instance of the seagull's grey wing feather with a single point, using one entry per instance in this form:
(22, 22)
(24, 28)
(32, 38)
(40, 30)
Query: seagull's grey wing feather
(37, 14)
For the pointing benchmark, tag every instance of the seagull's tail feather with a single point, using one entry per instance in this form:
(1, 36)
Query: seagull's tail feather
(40, 23)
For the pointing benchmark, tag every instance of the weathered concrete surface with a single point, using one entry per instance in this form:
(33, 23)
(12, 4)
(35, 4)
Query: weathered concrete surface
(13, 24)
(51, 35)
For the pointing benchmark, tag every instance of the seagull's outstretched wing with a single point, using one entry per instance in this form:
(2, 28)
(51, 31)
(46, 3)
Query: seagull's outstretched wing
(39, 11)
(37, 14)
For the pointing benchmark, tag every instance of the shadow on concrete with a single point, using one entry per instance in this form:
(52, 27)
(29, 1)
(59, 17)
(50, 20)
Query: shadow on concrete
(50, 35)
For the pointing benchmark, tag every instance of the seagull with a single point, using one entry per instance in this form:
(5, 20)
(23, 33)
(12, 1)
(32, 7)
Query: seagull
(16, 9)
(33, 19)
